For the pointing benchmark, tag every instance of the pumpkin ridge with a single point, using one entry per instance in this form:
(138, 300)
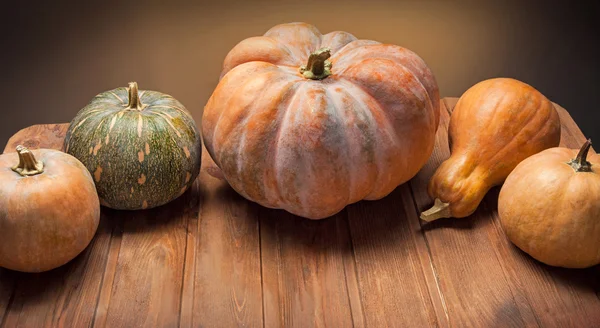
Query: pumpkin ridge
(278, 33)
(399, 66)
(287, 49)
(235, 132)
(502, 103)
(426, 106)
(533, 114)
(169, 122)
(547, 124)
(386, 122)
(335, 103)
(316, 156)
(282, 126)
(249, 171)
(471, 128)
(498, 104)
(368, 115)
(404, 58)
(224, 108)
(329, 40)
(151, 107)
(343, 55)
(291, 87)
(116, 96)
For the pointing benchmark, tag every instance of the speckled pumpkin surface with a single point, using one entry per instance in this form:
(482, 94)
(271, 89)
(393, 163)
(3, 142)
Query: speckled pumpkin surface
(49, 212)
(142, 147)
(310, 123)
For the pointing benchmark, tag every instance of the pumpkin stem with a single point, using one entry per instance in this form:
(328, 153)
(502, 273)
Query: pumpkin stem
(580, 163)
(134, 98)
(28, 165)
(318, 67)
(437, 211)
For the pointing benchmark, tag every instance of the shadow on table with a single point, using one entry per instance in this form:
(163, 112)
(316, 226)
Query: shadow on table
(582, 279)
(155, 219)
(28, 289)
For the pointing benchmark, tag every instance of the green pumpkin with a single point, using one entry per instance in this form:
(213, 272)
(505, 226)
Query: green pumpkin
(142, 148)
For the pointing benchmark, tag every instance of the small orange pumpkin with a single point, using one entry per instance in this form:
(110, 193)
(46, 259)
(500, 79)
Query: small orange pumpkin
(549, 207)
(495, 125)
(310, 123)
(49, 209)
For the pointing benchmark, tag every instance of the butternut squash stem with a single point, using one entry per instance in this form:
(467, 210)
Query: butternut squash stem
(580, 163)
(317, 67)
(28, 165)
(437, 211)
(134, 98)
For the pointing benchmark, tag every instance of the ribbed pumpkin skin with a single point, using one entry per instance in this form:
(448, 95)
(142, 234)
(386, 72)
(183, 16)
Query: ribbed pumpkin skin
(552, 212)
(312, 147)
(46, 220)
(139, 158)
(495, 125)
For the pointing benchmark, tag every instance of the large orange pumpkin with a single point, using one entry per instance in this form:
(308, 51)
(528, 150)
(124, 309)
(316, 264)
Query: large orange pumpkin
(310, 123)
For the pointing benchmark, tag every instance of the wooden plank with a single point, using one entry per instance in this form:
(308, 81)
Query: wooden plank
(189, 269)
(148, 278)
(109, 270)
(66, 295)
(303, 268)
(395, 275)
(227, 283)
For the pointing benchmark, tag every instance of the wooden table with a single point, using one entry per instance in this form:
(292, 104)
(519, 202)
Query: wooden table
(213, 259)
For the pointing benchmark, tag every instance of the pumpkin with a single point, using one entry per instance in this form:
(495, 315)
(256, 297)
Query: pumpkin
(49, 209)
(495, 125)
(549, 207)
(309, 123)
(142, 147)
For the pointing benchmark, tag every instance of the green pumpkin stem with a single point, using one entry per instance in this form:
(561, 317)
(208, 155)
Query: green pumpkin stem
(318, 67)
(134, 98)
(580, 163)
(28, 165)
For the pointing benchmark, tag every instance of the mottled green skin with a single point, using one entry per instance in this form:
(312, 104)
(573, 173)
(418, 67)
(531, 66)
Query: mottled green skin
(139, 159)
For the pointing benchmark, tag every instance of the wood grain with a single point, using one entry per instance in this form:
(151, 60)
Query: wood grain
(386, 248)
(304, 282)
(148, 277)
(227, 284)
(214, 259)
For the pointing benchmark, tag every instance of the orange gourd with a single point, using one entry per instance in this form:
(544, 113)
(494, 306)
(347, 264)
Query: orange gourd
(310, 123)
(495, 125)
(49, 209)
(549, 207)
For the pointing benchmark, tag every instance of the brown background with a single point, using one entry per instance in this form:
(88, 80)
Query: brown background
(55, 58)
